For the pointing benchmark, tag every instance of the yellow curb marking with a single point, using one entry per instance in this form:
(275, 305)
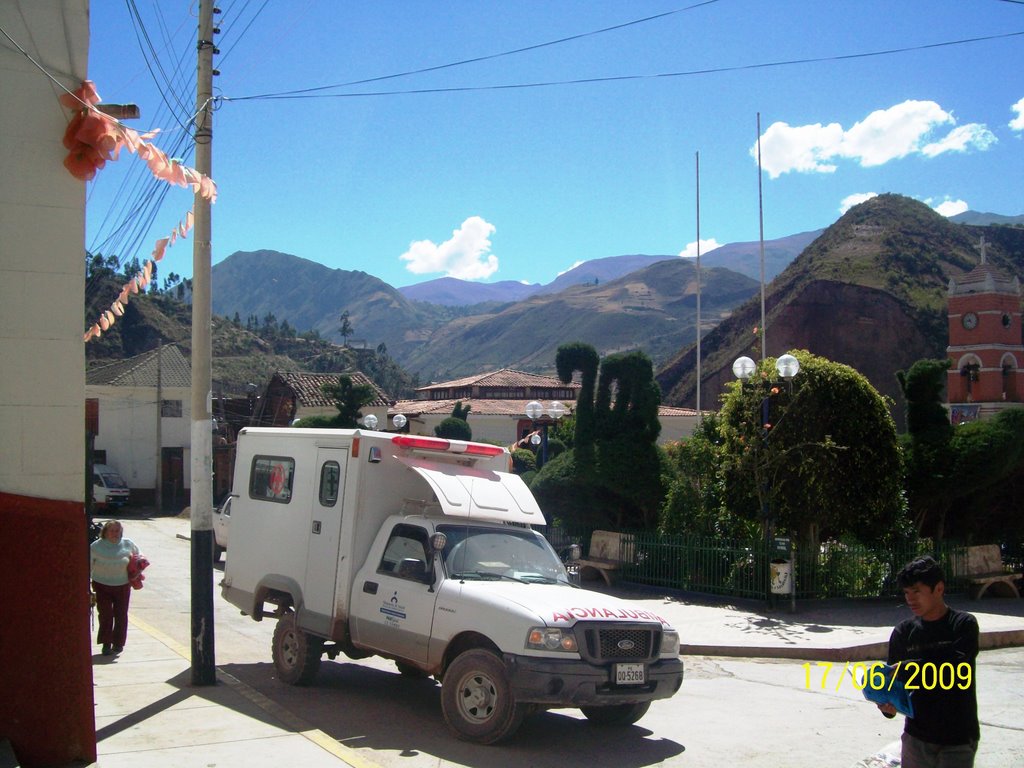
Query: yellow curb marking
(292, 721)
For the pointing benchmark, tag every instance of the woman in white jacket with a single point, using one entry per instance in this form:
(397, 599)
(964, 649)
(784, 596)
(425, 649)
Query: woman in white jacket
(109, 557)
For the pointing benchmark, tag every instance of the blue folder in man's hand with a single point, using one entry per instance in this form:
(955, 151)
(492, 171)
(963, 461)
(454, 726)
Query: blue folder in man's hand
(891, 692)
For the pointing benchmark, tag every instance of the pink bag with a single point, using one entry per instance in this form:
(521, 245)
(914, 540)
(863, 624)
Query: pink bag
(136, 565)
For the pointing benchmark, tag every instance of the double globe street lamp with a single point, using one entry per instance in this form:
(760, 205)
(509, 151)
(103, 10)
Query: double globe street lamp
(543, 417)
(743, 369)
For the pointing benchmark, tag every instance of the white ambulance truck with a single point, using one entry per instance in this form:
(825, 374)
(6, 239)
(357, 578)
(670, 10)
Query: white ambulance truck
(420, 550)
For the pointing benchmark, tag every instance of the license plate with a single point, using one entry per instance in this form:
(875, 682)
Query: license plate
(630, 674)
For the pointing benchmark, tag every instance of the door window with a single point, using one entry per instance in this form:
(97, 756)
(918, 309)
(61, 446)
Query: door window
(405, 555)
(330, 480)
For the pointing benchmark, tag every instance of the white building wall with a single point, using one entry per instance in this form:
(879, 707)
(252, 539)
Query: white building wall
(127, 421)
(42, 261)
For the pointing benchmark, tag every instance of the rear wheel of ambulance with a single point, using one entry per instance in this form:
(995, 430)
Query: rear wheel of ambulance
(616, 714)
(296, 653)
(476, 699)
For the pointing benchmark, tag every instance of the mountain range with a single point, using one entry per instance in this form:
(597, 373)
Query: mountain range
(744, 258)
(868, 291)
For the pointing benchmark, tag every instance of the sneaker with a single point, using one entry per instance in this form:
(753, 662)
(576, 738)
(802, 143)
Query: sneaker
(118, 648)
(106, 649)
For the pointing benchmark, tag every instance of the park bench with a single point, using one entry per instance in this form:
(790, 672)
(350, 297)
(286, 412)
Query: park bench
(982, 568)
(606, 555)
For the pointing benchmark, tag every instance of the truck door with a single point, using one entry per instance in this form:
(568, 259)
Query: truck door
(324, 535)
(394, 601)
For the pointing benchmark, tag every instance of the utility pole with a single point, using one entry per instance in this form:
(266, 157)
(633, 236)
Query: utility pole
(159, 425)
(204, 671)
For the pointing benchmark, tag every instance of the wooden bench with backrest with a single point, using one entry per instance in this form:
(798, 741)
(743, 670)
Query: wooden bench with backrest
(608, 551)
(982, 567)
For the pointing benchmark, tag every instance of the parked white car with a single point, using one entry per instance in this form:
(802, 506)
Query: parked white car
(221, 524)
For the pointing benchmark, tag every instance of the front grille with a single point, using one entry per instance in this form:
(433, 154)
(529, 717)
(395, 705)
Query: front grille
(618, 642)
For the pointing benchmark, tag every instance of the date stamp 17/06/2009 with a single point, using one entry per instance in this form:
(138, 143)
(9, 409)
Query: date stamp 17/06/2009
(877, 676)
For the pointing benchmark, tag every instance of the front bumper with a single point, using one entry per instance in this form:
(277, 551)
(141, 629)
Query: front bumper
(575, 683)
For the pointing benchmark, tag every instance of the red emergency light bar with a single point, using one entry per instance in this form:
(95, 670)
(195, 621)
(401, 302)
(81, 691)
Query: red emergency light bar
(416, 442)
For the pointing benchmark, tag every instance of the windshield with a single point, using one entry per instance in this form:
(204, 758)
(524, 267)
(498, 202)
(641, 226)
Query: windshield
(113, 480)
(519, 554)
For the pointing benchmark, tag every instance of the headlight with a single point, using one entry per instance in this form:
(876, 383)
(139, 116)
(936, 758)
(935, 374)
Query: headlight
(551, 639)
(669, 643)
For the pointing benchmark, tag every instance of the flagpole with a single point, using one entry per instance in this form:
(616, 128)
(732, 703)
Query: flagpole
(700, 412)
(760, 219)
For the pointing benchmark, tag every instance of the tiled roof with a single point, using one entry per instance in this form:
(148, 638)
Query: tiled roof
(984, 278)
(488, 407)
(506, 377)
(671, 410)
(479, 407)
(308, 387)
(142, 370)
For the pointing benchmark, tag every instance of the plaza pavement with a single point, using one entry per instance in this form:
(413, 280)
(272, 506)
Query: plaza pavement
(149, 714)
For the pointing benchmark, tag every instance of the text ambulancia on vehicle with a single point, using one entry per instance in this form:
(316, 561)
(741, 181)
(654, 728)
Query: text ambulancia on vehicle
(420, 550)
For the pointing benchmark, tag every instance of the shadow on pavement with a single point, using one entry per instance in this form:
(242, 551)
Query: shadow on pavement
(364, 707)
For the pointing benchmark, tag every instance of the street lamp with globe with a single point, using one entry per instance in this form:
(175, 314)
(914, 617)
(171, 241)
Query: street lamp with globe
(544, 417)
(743, 369)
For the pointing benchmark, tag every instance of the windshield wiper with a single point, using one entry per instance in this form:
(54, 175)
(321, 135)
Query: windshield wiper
(485, 575)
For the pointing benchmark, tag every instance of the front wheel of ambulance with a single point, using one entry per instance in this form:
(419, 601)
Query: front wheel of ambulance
(476, 699)
(616, 714)
(296, 654)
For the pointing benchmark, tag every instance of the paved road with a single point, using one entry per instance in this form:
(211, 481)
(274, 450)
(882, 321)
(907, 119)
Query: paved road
(754, 712)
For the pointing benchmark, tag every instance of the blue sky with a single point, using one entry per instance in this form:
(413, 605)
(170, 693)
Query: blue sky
(450, 172)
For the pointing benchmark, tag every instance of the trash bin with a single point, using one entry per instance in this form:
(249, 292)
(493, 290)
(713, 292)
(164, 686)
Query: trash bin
(781, 576)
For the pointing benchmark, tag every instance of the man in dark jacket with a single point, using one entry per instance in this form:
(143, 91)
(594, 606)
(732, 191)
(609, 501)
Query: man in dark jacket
(935, 652)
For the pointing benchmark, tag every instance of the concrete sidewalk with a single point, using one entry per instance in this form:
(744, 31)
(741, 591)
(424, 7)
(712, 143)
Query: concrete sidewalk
(148, 713)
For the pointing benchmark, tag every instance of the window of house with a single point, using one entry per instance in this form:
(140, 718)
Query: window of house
(271, 478)
(170, 409)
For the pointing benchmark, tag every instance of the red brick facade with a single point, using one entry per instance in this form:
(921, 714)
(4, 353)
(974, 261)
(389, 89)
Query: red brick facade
(985, 343)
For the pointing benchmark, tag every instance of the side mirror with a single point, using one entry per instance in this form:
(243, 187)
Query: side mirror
(438, 542)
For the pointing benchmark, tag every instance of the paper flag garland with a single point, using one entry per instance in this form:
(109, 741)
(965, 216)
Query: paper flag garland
(92, 138)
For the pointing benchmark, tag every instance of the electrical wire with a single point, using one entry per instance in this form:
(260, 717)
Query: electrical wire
(306, 94)
(488, 57)
(163, 83)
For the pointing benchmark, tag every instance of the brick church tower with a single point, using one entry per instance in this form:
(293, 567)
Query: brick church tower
(985, 345)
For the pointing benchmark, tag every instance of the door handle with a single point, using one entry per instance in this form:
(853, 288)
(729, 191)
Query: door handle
(370, 587)
(317, 525)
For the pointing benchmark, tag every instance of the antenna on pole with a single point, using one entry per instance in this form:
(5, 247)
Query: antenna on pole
(700, 412)
(760, 220)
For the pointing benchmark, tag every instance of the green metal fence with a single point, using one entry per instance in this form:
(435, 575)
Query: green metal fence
(740, 568)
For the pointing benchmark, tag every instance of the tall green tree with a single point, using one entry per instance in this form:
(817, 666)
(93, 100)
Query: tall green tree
(819, 454)
(613, 474)
(345, 329)
(929, 455)
(569, 359)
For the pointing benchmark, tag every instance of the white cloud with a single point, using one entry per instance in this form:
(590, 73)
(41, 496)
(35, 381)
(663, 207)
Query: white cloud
(690, 251)
(884, 135)
(799, 148)
(949, 207)
(1017, 123)
(960, 139)
(467, 255)
(570, 269)
(851, 200)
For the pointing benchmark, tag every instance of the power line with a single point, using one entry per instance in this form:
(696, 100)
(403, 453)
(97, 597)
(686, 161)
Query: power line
(488, 57)
(306, 94)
